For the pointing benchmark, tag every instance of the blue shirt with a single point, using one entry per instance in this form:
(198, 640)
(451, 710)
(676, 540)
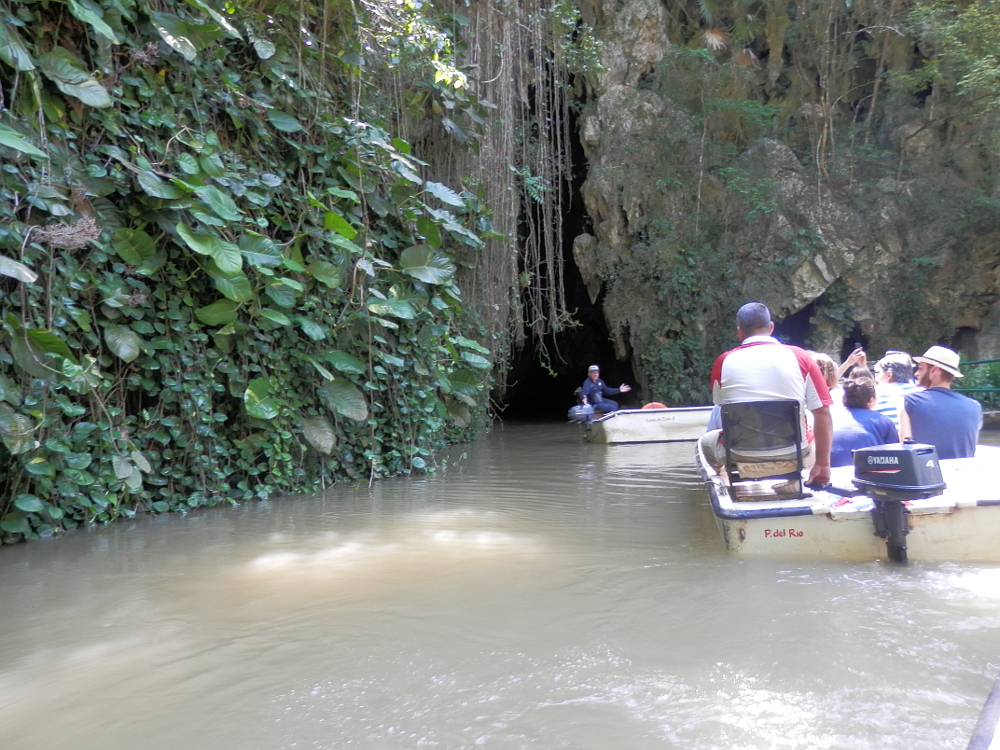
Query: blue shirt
(945, 419)
(858, 428)
(590, 387)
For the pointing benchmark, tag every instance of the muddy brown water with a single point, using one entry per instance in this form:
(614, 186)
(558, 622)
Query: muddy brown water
(537, 593)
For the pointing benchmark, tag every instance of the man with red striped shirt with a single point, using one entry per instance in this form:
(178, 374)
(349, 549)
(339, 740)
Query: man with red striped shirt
(764, 369)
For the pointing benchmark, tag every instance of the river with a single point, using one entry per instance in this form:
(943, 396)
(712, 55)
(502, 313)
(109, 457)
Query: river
(538, 592)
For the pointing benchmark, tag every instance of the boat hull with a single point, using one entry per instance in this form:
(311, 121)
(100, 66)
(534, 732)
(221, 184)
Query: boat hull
(961, 524)
(650, 425)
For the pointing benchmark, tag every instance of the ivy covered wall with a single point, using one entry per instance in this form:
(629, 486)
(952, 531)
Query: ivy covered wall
(221, 277)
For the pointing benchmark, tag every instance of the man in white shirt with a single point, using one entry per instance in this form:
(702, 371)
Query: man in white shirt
(763, 369)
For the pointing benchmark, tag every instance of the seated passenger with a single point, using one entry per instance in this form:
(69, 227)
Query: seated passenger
(764, 369)
(858, 425)
(595, 391)
(938, 415)
(893, 380)
(828, 369)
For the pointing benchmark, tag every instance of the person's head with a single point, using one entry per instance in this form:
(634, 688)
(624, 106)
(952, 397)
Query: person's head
(593, 372)
(861, 373)
(895, 367)
(827, 367)
(859, 393)
(754, 319)
(938, 367)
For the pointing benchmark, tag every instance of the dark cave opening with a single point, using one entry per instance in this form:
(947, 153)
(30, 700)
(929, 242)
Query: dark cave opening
(798, 328)
(544, 390)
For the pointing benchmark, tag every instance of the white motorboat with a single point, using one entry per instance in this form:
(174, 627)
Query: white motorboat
(649, 425)
(960, 523)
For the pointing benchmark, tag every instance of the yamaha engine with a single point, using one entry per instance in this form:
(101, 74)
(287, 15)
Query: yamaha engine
(891, 475)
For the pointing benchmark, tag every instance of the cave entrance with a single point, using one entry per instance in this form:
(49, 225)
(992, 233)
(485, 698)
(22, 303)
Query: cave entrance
(798, 329)
(543, 390)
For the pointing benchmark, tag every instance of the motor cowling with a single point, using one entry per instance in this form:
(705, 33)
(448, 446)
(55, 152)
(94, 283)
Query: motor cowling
(891, 475)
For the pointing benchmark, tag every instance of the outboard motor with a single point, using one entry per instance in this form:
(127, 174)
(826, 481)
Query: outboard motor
(582, 413)
(890, 475)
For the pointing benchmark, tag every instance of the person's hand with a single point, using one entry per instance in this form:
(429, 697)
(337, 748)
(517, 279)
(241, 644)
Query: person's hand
(624, 388)
(858, 357)
(819, 475)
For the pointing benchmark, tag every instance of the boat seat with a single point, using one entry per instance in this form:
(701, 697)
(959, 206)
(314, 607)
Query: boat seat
(763, 441)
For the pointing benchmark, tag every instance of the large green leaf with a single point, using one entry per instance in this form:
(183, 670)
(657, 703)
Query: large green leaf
(326, 374)
(16, 270)
(343, 397)
(258, 400)
(475, 360)
(15, 523)
(91, 13)
(259, 251)
(311, 329)
(138, 249)
(283, 121)
(467, 382)
(319, 433)
(280, 293)
(219, 203)
(29, 503)
(39, 352)
(226, 255)
(424, 263)
(430, 231)
(345, 362)
(444, 194)
(264, 48)
(234, 286)
(12, 49)
(459, 414)
(16, 430)
(393, 308)
(326, 273)
(151, 184)
(276, 317)
(176, 34)
(11, 139)
(219, 18)
(122, 466)
(72, 77)
(218, 313)
(337, 223)
(123, 342)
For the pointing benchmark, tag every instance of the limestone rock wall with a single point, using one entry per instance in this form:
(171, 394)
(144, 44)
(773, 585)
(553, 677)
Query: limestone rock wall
(693, 212)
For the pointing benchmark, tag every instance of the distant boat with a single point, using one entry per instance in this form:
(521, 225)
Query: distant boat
(649, 425)
(961, 523)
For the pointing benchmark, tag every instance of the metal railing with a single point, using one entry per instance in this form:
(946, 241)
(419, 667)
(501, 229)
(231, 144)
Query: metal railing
(963, 365)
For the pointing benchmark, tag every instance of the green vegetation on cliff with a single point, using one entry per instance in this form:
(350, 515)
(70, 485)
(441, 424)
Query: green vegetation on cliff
(837, 161)
(221, 278)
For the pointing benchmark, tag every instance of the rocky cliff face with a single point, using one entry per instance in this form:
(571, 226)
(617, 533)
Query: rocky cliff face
(750, 172)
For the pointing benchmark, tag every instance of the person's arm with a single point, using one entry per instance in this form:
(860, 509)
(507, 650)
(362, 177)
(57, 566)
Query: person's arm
(857, 357)
(905, 430)
(823, 432)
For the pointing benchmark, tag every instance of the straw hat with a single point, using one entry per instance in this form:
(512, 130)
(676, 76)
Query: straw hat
(943, 357)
